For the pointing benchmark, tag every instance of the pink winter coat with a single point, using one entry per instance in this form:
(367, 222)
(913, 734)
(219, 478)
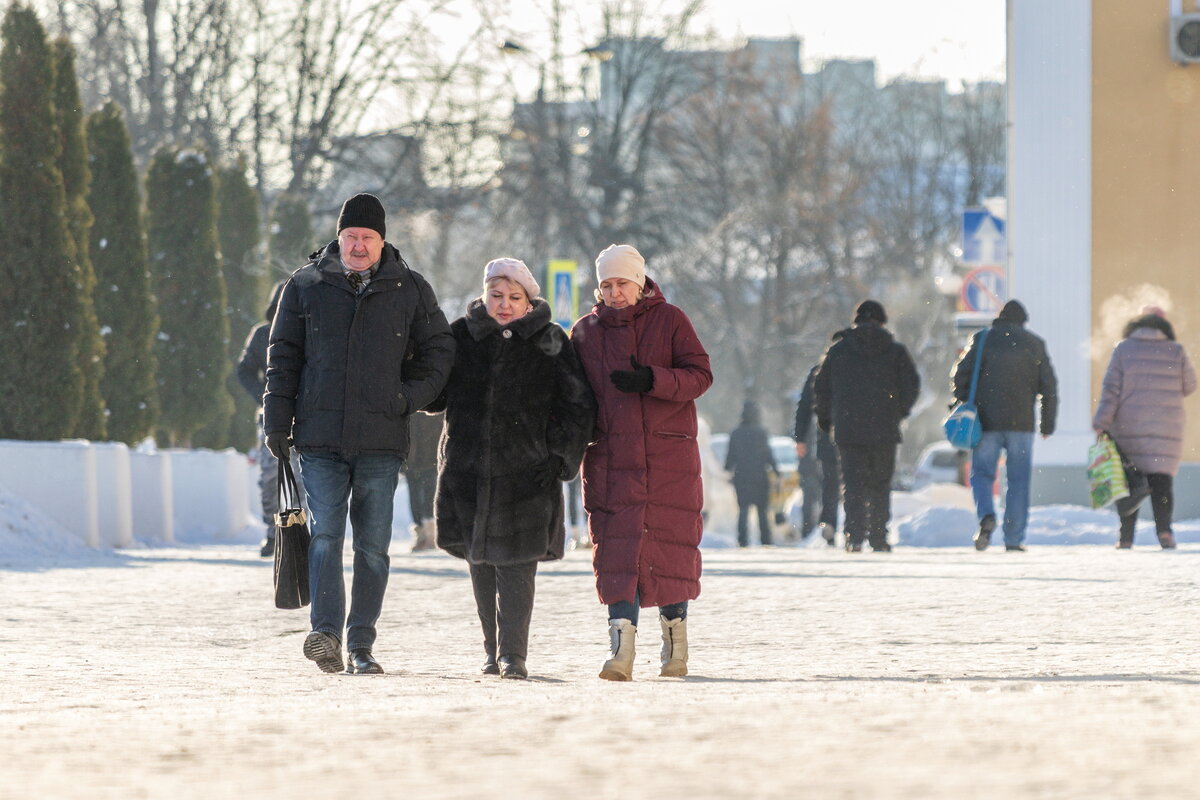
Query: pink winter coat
(641, 474)
(1141, 402)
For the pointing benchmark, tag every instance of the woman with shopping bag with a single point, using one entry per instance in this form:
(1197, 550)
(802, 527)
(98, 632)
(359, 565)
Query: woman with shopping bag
(1141, 408)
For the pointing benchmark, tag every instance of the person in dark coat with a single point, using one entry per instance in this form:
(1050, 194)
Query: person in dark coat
(1014, 373)
(357, 345)
(519, 414)
(252, 375)
(820, 479)
(864, 388)
(1141, 408)
(749, 457)
(641, 475)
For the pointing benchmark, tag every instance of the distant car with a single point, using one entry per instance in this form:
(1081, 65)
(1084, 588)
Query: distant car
(938, 463)
(784, 451)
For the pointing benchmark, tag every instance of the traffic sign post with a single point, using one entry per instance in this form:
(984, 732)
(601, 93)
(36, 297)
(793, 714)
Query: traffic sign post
(984, 238)
(983, 290)
(562, 292)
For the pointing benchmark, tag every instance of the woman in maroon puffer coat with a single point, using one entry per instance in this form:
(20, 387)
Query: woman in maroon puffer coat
(641, 474)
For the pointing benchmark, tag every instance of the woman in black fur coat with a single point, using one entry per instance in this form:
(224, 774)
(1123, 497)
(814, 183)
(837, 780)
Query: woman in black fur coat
(519, 414)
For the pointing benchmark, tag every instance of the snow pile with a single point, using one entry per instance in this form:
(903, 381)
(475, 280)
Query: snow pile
(28, 538)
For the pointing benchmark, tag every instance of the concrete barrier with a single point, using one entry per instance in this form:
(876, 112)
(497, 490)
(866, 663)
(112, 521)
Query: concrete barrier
(57, 478)
(153, 502)
(114, 494)
(210, 493)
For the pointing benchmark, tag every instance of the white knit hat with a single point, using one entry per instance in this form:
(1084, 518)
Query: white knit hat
(621, 261)
(514, 270)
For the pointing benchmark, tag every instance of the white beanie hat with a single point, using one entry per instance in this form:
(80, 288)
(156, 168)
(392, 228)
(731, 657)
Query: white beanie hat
(514, 270)
(621, 261)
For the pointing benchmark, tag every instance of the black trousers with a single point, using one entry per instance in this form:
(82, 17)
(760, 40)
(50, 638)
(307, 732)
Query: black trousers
(820, 480)
(1161, 491)
(504, 601)
(760, 497)
(867, 491)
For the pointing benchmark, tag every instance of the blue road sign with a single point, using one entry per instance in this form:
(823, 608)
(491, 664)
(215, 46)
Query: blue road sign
(983, 238)
(984, 290)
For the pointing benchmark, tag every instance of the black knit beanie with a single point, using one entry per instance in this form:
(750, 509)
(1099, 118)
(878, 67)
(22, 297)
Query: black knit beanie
(362, 211)
(1013, 311)
(870, 311)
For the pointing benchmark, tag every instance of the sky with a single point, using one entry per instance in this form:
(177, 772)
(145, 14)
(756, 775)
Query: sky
(954, 39)
(959, 40)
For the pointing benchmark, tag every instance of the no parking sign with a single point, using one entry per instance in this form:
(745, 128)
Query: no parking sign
(983, 289)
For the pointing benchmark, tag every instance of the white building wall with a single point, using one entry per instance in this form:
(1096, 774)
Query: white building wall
(1049, 200)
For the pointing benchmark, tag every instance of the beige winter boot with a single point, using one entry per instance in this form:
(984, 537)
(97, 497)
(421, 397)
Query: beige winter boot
(674, 648)
(620, 666)
(424, 536)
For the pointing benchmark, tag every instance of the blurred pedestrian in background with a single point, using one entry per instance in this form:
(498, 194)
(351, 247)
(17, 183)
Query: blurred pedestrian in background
(641, 475)
(519, 414)
(820, 479)
(749, 458)
(865, 387)
(1141, 408)
(252, 375)
(420, 473)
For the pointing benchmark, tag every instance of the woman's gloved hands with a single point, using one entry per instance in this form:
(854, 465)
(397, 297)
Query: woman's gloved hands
(638, 380)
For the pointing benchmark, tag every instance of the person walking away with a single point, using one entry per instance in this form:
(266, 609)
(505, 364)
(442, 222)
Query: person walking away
(1141, 408)
(252, 375)
(820, 479)
(519, 414)
(864, 388)
(641, 474)
(748, 458)
(340, 390)
(420, 472)
(1015, 372)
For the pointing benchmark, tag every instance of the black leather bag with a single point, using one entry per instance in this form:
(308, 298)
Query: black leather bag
(1139, 485)
(291, 543)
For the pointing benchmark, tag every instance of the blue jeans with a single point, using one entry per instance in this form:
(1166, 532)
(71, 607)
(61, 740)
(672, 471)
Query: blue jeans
(627, 609)
(1018, 445)
(364, 484)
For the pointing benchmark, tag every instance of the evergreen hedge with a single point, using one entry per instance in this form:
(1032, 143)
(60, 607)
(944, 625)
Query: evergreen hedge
(125, 306)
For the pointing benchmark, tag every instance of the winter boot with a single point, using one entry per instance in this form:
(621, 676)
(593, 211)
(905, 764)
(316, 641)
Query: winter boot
(827, 533)
(424, 536)
(984, 537)
(1167, 540)
(620, 666)
(674, 648)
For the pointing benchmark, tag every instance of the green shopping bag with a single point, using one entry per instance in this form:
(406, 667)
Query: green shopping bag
(1106, 475)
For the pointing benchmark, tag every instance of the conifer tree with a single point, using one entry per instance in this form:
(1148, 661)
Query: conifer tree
(245, 280)
(125, 306)
(73, 162)
(186, 271)
(41, 297)
(292, 237)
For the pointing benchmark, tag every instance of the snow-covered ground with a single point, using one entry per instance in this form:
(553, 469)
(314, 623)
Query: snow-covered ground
(930, 672)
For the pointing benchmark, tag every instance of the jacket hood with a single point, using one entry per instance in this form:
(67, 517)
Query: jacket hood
(1152, 321)
(273, 303)
(481, 325)
(751, 414)
(1013, 311)
(867, 338)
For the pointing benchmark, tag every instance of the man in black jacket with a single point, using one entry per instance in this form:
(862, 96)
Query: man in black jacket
(865, 386)
(357, 345)
(1015, 371)
(819, 471)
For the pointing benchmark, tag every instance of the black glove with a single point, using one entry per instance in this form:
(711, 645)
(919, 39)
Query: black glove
(639, 379)
(547, 472)
(279, 444)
